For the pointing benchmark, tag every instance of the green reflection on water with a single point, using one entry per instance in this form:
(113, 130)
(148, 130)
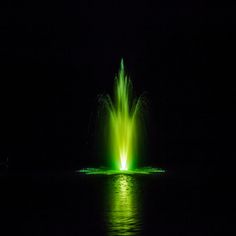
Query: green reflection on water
(122, 206)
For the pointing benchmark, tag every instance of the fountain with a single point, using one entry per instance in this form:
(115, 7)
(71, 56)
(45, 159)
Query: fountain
(123, 130)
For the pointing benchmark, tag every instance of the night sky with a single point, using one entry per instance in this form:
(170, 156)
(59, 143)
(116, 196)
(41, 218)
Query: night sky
(56, 58)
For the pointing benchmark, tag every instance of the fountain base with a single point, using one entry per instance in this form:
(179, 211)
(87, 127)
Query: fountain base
(104, 171)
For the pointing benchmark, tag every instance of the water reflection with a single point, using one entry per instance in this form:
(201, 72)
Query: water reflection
(122, 208)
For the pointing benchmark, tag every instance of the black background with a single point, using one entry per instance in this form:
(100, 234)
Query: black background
(57, 57)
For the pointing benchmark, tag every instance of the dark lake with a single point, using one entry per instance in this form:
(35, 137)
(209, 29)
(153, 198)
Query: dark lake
(70, 204)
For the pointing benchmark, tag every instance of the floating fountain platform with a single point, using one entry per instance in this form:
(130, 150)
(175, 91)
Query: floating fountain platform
(104, 171)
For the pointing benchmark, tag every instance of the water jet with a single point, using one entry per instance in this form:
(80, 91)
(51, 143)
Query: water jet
(124, 114)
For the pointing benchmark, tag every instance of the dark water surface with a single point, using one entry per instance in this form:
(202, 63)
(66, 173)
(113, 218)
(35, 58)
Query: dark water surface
(71, 204)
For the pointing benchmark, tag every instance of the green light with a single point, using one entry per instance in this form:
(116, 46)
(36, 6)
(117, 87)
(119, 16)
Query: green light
(104, 171)
(123, 115)
(122, 208)
(123, 130)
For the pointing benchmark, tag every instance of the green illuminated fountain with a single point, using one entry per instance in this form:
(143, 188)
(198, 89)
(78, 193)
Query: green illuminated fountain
(123, 133)
(123, 122)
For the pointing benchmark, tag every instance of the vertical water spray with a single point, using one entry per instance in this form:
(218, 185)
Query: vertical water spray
(123, 114)
(123, 129)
